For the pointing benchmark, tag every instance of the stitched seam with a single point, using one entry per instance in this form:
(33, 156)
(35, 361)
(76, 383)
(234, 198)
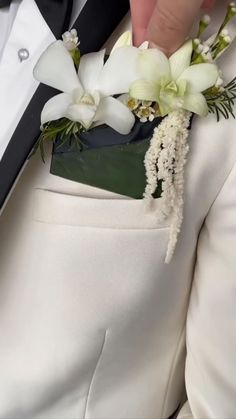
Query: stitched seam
(171, 370)
(94, 373)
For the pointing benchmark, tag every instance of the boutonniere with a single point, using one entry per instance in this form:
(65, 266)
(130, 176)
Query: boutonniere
(121, 122)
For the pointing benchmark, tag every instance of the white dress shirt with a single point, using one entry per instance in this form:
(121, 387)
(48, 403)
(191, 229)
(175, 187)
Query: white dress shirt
(7, 16)
(21, 26)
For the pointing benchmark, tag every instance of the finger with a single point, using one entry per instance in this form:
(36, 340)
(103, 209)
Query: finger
(171, 22)
(141, 14)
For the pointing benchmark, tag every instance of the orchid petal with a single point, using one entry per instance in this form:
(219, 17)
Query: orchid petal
(90, 68)
(56, 108)
(196, 103)
(181, 60)
(119, 72)
(200, 77)
(153, 65)
(124, 40)
(116, 115)
(81, 113)
(144, 90)
(55, 68)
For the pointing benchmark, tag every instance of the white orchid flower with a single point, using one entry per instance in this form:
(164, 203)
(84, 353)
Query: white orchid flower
(173, 83)
(126, 39)
(87, 96)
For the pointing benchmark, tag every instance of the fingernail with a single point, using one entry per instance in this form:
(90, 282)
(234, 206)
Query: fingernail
(154, 45)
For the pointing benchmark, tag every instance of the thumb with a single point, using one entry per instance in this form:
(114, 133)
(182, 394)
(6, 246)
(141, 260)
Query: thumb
(171, 22)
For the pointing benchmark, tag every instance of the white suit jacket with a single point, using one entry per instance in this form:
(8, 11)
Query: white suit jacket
(93, 323)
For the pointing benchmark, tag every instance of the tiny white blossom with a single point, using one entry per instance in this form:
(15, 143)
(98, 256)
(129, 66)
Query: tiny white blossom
(200, 48)
(224, 33)
(132, 104)
(227, 39)
(196, 42)
(70, 39)
(146, 112)
(232, 5)
(206, 19)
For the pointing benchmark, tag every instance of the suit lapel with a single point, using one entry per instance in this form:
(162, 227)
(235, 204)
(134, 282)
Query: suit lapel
(27, 130)
(57, 14)
(97, 21)
(95, 24)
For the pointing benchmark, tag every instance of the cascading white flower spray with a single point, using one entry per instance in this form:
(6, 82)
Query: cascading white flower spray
(165, 161)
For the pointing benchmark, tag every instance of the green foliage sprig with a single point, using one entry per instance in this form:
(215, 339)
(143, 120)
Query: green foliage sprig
(60, 130)
(220, 99)
(222, 103)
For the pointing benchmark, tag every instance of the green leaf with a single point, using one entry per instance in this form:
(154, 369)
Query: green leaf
(118, 168)
(76, 57)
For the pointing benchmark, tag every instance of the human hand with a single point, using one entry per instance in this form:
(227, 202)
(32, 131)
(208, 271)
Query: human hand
(165, 23)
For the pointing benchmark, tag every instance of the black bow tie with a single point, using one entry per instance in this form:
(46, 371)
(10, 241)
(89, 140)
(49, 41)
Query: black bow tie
(4, 3)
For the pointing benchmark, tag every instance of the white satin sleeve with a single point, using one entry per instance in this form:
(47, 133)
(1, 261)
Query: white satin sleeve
(211, 322)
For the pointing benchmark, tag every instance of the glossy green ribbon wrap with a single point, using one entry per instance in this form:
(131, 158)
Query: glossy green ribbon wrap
(118, 168)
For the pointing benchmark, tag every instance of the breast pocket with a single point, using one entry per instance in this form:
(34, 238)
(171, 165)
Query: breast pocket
(64, 209)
